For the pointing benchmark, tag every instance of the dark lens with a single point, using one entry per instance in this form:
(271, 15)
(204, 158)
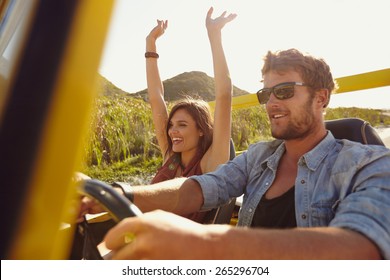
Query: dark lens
(263, 95)
(284, 92)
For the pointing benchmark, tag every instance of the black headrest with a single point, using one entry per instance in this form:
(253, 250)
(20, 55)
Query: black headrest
(354, 129)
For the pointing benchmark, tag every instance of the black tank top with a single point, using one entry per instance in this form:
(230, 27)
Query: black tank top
(278, 212)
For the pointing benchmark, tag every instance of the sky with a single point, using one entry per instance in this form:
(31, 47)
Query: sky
(351, 35)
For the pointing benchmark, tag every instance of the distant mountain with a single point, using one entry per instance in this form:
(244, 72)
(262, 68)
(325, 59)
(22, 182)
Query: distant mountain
(195, 84)
(108, 88)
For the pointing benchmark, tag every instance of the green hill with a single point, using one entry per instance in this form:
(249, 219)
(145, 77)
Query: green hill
(195, 84)
(109, 89)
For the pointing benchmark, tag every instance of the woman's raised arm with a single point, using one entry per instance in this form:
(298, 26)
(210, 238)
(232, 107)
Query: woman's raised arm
(219, 151)
(155, 86)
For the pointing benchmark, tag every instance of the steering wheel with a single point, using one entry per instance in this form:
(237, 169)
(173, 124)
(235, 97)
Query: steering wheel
(117, 205)
(88, 235)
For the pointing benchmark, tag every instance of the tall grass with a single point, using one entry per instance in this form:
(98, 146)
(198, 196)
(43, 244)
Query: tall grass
(374, 116)
(249, 126)
(122, 145)
(122, 128)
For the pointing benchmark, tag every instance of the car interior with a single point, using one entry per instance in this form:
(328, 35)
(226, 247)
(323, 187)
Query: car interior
(48, 74)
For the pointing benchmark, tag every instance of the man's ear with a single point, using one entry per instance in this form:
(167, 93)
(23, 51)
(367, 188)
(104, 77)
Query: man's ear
(323, 97)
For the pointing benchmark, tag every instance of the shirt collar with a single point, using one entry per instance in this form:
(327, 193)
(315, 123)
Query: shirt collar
(312, 159)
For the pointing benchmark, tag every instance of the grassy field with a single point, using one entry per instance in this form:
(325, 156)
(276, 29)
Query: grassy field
(122, 145)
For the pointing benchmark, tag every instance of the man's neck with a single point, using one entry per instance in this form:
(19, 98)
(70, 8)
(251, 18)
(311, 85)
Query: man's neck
(296, 148)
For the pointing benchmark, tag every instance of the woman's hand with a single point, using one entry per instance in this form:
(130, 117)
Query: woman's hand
(216, 24)
(158, 30)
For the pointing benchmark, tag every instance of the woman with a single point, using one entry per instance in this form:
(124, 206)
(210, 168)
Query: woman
(189, 141)
(191, 144)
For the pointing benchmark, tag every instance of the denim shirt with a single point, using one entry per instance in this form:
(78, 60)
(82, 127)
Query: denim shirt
(339, 184)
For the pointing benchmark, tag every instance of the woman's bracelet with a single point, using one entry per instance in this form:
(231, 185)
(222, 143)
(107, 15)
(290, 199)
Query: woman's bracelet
(151, 54)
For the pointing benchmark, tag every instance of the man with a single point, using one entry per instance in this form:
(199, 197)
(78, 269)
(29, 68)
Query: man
(306, 195)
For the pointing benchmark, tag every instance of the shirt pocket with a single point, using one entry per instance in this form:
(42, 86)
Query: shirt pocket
(323, 212)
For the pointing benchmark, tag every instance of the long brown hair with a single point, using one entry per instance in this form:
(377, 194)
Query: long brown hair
(199, 110)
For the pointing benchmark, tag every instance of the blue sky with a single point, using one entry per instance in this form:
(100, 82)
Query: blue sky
(351, 35)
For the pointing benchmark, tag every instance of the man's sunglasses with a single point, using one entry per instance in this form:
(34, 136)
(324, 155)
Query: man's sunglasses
(281, 91)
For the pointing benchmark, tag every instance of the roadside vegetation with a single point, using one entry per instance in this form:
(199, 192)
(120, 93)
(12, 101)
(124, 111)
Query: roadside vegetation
(122, 145)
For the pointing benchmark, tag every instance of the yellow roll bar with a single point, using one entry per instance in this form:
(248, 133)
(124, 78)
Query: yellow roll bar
(380, 78)
(357, 82)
